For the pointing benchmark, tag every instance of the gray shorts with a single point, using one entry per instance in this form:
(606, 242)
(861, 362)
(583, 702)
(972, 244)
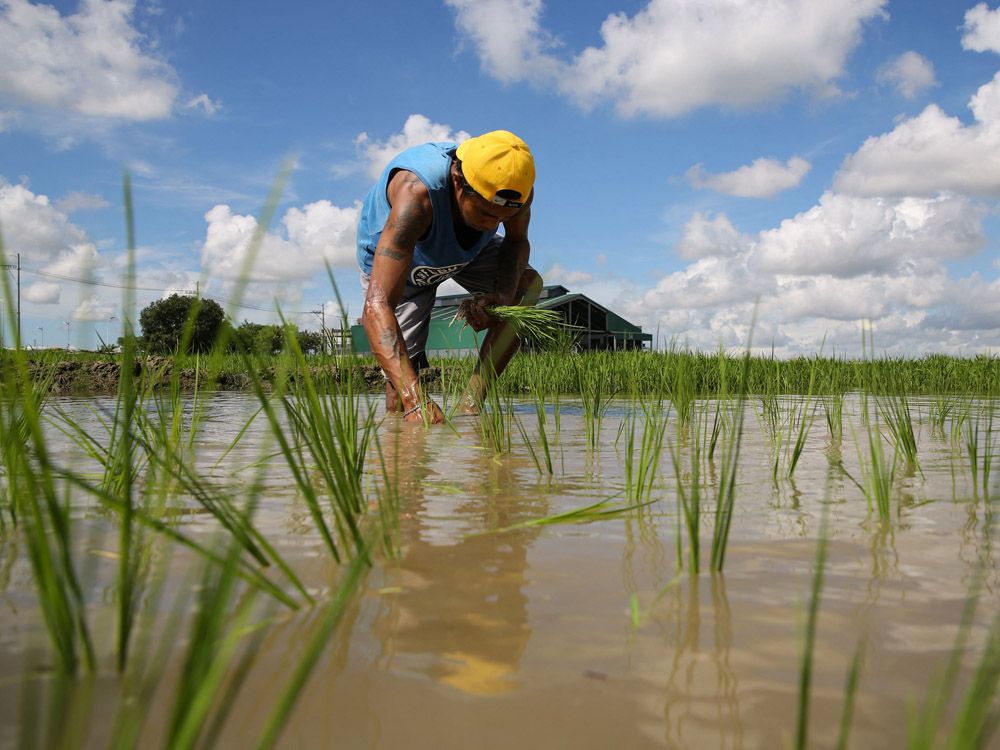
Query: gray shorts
(413, 312)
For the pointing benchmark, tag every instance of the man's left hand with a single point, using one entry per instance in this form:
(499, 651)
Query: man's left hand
(475, 312)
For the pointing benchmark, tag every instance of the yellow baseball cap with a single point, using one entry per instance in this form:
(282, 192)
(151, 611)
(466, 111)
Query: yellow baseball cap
(498, 166)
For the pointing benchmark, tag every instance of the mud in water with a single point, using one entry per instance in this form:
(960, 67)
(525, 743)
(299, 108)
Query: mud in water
(488, 631)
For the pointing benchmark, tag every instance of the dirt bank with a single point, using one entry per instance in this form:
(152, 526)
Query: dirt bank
(68, 377)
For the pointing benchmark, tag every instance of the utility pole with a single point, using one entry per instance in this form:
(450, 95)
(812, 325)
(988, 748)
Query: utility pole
(66, 323)
(17, 268)
(322, 327)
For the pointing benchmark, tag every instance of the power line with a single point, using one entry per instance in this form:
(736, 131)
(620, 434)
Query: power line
(109, 285)
(191, 292)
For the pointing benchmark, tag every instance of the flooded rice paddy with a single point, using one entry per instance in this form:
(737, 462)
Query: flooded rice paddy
(489, 630)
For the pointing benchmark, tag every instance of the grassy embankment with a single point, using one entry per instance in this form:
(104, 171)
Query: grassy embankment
(622, 373)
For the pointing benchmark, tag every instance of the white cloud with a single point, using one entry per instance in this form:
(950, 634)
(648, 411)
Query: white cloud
(820, 273)
(42, 293)
(8, 118)
(848, 236)
(91, 63)
(763, 178)
(931, 152)
(32, 226)
(95, 309)
(569, 278)
(80, 201)
(511, 43)
(910, 73)
(416, 130)
(706, 237)
(982, 29)
(315, 233)
(204, 103)
(708, 283)
(79, 261)
(671, 58)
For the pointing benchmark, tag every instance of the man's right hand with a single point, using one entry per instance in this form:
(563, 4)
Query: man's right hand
(430, 412)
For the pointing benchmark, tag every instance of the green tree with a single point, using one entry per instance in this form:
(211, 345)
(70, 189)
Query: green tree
(163, 323)
(310, 342)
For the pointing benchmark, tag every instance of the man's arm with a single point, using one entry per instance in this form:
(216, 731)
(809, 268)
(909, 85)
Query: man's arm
(409, 217)
(514, 254)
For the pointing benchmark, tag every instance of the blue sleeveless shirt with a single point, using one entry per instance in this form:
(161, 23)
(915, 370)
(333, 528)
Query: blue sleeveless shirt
(437, 256)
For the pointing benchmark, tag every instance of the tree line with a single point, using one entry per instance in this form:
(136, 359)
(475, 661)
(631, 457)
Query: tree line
(167, 322)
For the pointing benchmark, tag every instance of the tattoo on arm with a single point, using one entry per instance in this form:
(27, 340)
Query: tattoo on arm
(410, 223)
(389, 252)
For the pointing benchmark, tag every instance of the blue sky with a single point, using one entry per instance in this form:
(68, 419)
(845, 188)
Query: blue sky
(823, 163)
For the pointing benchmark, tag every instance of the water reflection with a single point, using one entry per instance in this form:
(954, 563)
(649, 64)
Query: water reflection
(457, 610)
(702, 689)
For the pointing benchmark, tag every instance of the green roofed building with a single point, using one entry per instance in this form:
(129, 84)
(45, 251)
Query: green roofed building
(594, 326)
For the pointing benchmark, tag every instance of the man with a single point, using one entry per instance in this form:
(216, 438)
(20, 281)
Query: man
(433, 215)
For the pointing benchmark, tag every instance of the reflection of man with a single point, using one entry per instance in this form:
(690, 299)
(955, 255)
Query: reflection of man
(433, 215)
(461, 613)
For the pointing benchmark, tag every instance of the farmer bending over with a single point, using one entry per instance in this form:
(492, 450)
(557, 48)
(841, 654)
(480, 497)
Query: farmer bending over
(433, 215)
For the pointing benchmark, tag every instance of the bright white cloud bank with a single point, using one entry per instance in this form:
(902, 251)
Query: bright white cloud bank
(91, 63)
(874, 248)
(763, 178)
(821, 273)
(312, 235)
(36, 229)
(50, 243)
(932, 152)
(674, 57)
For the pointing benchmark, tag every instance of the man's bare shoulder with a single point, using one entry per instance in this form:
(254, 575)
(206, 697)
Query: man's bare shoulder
(405, 188)
(412, 213)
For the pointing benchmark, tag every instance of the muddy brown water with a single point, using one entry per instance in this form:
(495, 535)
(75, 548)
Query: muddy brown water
(525, 638)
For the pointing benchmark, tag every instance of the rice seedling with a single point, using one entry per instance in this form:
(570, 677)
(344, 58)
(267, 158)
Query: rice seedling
(640, 470)
(534, 323)
(542, 434)
(496, 420)
(980, 446)
(681, 388)
(895, 410)
(939, 411)
(334, 432)
(688, 484)
(812, 619)
(807, 413)
(541, 438)
(725, 498)
(877, 472)
(592, 385)
(787, 452)
(833, 411)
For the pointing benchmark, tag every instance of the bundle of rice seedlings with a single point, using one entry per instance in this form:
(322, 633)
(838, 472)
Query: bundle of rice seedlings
(535, 323)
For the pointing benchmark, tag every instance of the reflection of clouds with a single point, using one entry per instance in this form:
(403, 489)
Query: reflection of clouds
(460, 616)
